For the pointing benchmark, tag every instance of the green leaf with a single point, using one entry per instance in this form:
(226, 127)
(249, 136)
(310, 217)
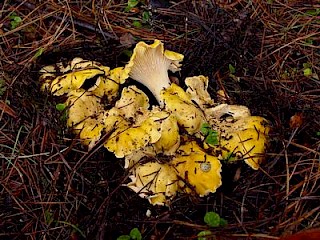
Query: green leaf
(307, 72)
(313, 12)
(223, 222)
(135, 234)
(232, 69)
(205, 128)
(145, 16)
(60, 107)
(124, 237)
(307, 65)
(38, 53)
(131, 4)
(212, 138)
(15, 20)
(137, 24)
(212, 219)
(203, 235)
(230, 157)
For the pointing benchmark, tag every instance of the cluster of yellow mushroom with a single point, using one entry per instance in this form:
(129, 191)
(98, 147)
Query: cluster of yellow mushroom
(175, 146)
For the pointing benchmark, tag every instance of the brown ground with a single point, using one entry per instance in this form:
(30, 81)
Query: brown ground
(52, 188)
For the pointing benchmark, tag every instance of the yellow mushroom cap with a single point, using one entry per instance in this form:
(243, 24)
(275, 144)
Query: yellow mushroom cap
(127, 139)
(73, 77)
(109, 84)
(91, 130)
(179, 103)
(149, 65)
(132, 103)
(198, 90)
(82, 105)
(169, 141)
(154, 181)
(246, 140)
(198, 169)
(85, 116)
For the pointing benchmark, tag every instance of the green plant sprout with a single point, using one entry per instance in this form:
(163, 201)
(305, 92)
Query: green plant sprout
(61, 107)
(15, 20)
(131, 4)
(307, 71)
(212, 136)
(232, 69)
(213, 219)
(206, 235)
(134, 234)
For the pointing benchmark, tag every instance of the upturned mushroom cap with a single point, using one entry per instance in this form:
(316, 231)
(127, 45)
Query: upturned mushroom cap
(200, 171)
(179, 103)
(154, 181)
(149, 65)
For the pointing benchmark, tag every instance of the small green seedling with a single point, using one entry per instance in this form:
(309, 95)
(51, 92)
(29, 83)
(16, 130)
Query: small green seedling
(212, 136)
(60, 107)
(307, 71)
(214, 220)
(232, 69)
(15, 20)
(134, 235)
(205, 235)
(38, 53)
(131, 4)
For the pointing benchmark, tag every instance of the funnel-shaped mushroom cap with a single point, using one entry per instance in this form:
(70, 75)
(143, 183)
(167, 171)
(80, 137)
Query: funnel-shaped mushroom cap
(199, 170)
(179, 103)
(246, 140)
(154, 181)
(149, 65)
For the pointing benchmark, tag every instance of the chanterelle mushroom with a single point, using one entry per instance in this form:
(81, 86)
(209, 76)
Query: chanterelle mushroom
(240, 136)
(154, 181)
(73, 79)
(149, 65)
(200, 171)
(85, 116)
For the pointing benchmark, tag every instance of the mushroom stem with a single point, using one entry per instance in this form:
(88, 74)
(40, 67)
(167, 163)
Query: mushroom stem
(155, 76)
